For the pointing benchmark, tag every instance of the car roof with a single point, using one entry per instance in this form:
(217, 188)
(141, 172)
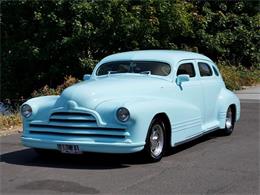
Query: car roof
(168, 56)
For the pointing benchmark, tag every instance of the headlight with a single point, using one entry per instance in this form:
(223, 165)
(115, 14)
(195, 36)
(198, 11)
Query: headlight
(123, 114)
(26, 110)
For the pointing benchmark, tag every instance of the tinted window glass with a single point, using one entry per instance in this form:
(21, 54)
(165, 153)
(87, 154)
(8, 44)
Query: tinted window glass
(187, 68)
(215, 71)
(143, 67)
(205, 69)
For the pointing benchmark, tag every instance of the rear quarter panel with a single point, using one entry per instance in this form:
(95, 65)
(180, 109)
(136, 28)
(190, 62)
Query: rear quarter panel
(225, 99)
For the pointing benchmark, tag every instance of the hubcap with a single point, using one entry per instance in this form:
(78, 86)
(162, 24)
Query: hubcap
(229, 119)
(156, 140)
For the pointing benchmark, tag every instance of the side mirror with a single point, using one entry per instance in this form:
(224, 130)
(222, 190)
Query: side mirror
(182, 78)
(86, 77)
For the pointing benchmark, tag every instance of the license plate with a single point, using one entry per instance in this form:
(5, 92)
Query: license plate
(69, 149)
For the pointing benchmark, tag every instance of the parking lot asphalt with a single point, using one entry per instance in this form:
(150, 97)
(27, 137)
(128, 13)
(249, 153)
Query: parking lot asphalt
(212, 164)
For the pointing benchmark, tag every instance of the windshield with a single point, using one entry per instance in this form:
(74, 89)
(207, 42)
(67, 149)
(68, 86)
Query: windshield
(142, 67)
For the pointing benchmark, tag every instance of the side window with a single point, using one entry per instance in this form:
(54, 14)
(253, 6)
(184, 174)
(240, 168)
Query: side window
(205, 69)
(215, 71)
(187, 68)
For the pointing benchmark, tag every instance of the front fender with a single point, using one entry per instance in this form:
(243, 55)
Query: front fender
(41, 107)
(143, 110)
(178, 112)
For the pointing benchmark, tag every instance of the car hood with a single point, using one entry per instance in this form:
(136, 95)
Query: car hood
(89, 94)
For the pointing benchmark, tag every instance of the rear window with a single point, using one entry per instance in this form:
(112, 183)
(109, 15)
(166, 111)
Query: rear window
(204, 69)
(142, 67)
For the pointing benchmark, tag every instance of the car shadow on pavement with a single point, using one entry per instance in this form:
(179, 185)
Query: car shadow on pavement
(96, 161)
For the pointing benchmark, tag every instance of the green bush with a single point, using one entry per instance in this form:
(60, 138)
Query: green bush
(43, 41)
(46, 90)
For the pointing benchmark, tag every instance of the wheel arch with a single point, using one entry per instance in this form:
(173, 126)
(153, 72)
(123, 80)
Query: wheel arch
(164, 117)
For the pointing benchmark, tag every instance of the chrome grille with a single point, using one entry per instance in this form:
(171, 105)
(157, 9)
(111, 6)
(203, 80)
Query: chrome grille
(71, 117)
(75, 124)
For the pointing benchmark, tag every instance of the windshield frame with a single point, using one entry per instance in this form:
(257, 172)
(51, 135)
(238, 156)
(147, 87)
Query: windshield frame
(136, 73)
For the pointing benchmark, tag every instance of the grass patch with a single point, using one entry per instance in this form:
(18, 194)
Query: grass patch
(10, 123)
(237, 77)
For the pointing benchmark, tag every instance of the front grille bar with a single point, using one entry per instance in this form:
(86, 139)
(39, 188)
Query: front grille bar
(70, 113)
(71, 127)
(72, 120)
(73, 134)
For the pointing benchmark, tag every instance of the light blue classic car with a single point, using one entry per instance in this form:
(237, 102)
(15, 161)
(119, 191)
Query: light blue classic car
(134, 101)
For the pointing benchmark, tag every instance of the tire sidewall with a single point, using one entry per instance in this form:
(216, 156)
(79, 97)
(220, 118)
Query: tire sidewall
(147, 150)
(228, 131)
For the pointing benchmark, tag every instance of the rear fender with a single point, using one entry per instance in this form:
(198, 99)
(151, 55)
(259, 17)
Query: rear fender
(227, 98)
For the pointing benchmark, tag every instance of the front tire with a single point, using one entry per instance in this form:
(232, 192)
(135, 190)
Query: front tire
(155, 141)
(229, 122)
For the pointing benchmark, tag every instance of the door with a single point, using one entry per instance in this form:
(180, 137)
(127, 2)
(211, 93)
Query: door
(211, 84)
(190, 92)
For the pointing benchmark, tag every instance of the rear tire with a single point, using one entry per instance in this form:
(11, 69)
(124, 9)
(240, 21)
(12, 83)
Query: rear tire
(155, 141)
(229, 122)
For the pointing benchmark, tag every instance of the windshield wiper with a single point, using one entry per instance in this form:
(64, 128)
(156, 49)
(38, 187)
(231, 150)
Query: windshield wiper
(111, 72)
(148, 72)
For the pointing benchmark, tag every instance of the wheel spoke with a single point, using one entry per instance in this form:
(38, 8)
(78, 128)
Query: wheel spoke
(156, 140)
(153, 145)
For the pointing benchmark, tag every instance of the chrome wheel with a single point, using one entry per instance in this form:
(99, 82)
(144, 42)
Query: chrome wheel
(229, 118)
(156, 140)
(229, 122)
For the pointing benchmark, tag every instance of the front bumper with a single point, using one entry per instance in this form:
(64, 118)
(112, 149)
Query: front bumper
(85, 146)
